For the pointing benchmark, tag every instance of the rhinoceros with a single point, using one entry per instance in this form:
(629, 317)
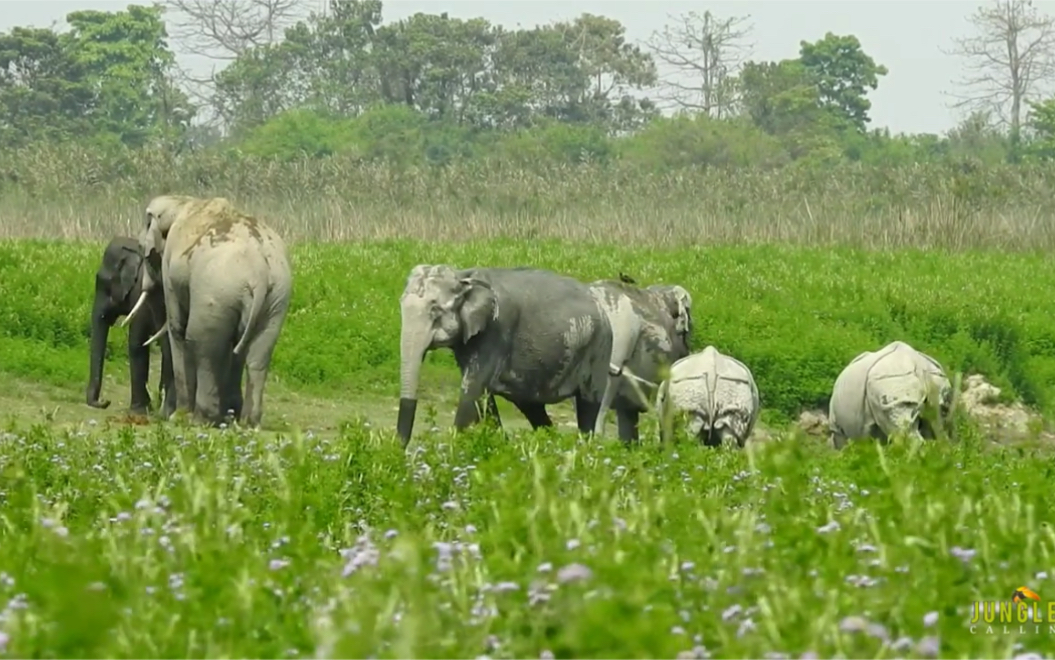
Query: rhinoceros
(882, 392)
(717, 391)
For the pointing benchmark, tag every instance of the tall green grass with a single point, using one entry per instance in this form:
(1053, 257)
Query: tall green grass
(795, 316)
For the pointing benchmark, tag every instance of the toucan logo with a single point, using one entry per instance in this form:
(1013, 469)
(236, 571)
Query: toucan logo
(1022, 593)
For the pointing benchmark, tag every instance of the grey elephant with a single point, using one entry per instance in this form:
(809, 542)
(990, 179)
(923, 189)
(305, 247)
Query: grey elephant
(118, 283)
(227, 282)
(883, 392)
(651, 329)
(719, 394)
(529, 335)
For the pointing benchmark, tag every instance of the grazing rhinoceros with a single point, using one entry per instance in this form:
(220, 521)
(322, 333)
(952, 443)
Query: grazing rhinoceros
(884, 391)
(717, 391)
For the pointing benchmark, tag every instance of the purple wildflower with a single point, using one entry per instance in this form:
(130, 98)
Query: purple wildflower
(731, 612)
(929, 647)
(277, 564)
(963, 554)
(546, 655)
(573, 572)
(930, 618)
(363, 553)
(878, 631)
(503, 587)
(902, 643)
(853, 624)
(809, 655)
(830, 527)
(572, 544)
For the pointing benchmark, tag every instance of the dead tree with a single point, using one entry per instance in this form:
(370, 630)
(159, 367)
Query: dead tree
(1009, 59)
(221, 30)
(705, 54)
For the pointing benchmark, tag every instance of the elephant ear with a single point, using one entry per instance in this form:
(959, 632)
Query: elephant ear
(478, 308)
(128, 271)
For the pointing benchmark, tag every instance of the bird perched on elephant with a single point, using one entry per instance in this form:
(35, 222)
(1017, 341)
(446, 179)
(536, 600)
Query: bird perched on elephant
(651, 329)
(885, 391)
(717, 392)
(227, 282)
(118, 284)
(530, 335)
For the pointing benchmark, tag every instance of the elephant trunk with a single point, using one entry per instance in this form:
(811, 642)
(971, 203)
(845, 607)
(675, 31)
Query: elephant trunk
(100, 333)
(413, 343)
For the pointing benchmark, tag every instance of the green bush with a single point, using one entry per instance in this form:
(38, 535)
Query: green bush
(794, 316)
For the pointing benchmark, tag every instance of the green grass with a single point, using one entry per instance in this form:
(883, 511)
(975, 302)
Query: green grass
(795, 316)
(173, 542)
(167, 540)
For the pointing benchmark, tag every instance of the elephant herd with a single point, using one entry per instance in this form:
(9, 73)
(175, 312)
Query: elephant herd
(214, 285)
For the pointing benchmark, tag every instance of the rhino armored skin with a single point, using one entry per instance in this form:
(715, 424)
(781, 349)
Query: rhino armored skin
(719, 394)
(882, 392)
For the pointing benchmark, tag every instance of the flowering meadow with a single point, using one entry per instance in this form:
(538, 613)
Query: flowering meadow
(167, 540)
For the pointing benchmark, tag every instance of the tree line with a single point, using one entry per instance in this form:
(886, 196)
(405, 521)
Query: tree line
(432, 89)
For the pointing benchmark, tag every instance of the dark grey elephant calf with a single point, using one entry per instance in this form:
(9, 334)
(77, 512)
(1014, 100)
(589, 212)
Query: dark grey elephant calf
(529, 335)
(117, 286)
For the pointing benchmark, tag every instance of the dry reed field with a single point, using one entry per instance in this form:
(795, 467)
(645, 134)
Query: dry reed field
(81, 194)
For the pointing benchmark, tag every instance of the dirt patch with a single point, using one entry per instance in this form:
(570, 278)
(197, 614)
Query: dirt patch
(1003, 421)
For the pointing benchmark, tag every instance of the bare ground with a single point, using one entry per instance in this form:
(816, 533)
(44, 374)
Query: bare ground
(26, 402)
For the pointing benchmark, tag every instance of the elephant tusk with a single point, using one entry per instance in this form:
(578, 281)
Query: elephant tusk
(163, 330)
(135, 308)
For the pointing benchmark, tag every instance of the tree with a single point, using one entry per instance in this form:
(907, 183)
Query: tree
(126, 60)
(224, 30)
(843, 74)
(43, 90)
(1010, 57)
(706, 53)
(783, 99)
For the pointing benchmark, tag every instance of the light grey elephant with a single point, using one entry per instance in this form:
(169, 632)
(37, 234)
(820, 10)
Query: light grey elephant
(719, 394)
(882, 392)
(227, 283)
(529, 335)
(651, 329)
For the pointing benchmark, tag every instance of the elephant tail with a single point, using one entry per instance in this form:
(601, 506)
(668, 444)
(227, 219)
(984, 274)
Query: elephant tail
(259, 293)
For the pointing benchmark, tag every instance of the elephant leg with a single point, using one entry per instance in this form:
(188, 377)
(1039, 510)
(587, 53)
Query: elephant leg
(628, 421)
(210, 337)
(535, 413)
(139, 330)
(168, 379)
(233, 401)
(183, 367)
(257, 362)
(586, 413)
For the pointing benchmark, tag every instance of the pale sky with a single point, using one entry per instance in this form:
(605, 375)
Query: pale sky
(905, 36)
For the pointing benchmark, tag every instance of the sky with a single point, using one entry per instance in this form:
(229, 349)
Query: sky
(905, 36)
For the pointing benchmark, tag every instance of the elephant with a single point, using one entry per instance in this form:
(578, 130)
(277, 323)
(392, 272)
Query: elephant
(117, 284)
(882, 392)
(719, 394)
(227, 282)
(529, 335)
(651, 329)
